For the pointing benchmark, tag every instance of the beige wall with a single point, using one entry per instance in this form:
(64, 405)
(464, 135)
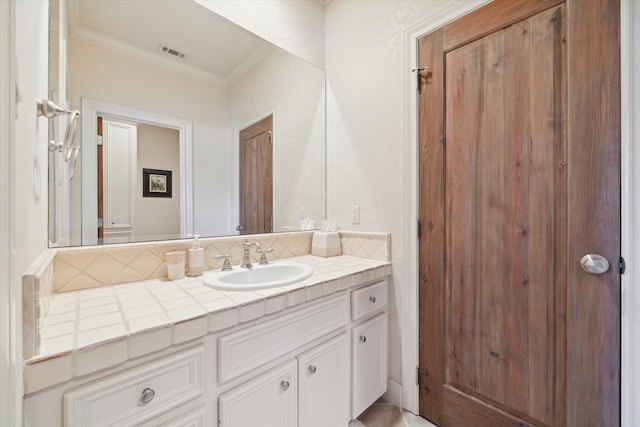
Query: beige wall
(293, 91)
(157, 217)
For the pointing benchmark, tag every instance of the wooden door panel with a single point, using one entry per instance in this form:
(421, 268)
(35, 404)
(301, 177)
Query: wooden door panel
(505, 241)
(432, 212)
(462, 410)
(256, 177)
(593, 350)
(500, 14)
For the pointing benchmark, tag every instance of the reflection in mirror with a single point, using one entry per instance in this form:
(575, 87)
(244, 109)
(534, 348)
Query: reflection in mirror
(177, 66)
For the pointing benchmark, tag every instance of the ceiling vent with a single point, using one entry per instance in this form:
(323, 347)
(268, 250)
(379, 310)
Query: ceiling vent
(172, 52)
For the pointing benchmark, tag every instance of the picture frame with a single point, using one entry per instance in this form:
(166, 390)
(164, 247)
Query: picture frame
(156, 183)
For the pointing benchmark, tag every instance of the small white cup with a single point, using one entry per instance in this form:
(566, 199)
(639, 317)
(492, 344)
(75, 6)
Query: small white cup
(175, 264)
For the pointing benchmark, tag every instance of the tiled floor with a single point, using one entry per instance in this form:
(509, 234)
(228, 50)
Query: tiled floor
(382, 414)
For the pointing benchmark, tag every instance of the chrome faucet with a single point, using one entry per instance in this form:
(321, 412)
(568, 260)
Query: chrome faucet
(246, 259)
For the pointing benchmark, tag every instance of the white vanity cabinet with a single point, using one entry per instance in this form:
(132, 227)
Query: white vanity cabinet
(319, 364)
(138, 396)
(369, 354)
(269, 400)
(311, 390)
(323, 384)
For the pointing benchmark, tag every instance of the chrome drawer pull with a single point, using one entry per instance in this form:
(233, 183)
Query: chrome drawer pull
(372, 299)
(312, 369)
(147, 395)
(284, 385)
(363, 338)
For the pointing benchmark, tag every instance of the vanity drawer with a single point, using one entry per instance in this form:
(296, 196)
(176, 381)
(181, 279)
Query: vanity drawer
(120, 400)
(368, 300)
(245, 350)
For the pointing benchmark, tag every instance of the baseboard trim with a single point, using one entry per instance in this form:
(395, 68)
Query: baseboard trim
(394, 393)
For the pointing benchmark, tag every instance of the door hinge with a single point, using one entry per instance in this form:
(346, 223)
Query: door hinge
(418, 76)
(99, 139)
(443, 141)
(417, 375)
(622, 265)
(419, 228)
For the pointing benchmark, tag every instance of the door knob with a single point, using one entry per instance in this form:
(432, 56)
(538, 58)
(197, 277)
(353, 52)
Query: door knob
(594, 264)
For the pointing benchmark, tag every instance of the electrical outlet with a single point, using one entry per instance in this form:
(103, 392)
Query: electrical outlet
(355, 214)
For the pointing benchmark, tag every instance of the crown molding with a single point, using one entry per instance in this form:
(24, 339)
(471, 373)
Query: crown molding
(248, 63)
(151, 57)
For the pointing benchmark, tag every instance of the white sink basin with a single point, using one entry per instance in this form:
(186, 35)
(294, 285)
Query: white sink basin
(273, 275)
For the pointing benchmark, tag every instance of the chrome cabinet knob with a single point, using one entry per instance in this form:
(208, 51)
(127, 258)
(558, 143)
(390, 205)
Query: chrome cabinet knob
(284, 385)
(594, 264)
(312, 369)
(372, 299)
(363, 338)
(147, 395)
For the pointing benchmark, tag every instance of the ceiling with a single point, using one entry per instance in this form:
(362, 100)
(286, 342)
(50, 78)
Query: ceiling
(213, 48)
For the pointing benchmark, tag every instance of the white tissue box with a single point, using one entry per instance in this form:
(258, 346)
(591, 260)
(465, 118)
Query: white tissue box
(326, 244)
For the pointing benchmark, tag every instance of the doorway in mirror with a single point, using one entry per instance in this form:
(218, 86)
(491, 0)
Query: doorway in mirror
(256, 177)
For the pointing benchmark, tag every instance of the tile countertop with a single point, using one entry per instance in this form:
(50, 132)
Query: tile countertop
(131, 320)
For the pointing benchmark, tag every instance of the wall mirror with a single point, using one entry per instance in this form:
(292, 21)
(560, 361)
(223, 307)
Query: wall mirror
(174, 88)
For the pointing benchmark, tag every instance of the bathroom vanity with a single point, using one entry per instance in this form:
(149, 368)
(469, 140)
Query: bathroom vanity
(309, 354)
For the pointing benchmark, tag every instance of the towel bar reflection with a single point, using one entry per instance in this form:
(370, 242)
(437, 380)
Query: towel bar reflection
(50, 110)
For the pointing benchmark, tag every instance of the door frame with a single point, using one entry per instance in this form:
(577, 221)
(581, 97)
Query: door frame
(91, 109)
(410, 312)
(630, 114)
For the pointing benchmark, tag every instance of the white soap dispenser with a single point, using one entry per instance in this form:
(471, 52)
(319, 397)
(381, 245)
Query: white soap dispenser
(196, 258)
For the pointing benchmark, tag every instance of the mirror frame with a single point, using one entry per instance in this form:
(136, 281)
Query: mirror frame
(91, 109)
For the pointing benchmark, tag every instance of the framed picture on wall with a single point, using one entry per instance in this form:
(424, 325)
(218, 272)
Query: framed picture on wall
(156, 183)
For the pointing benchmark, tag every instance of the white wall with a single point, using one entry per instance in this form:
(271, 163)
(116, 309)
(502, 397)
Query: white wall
(9, 372)
(296, 26)
(156, 218)
(365, 118)
(26, 198)
(293, 91)
(105, 75)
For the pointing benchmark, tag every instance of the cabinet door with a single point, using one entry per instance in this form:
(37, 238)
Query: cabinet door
(268, 400)
(323, 376)
(369, 363)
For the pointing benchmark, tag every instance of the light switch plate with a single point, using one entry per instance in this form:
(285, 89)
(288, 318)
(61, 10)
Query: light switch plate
(355, 214)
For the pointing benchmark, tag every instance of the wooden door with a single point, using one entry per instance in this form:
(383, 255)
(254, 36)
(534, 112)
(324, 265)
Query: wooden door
(519, 173)
(256, 178)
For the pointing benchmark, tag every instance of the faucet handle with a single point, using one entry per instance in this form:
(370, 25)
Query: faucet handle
(227, 264)
(263, 257)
